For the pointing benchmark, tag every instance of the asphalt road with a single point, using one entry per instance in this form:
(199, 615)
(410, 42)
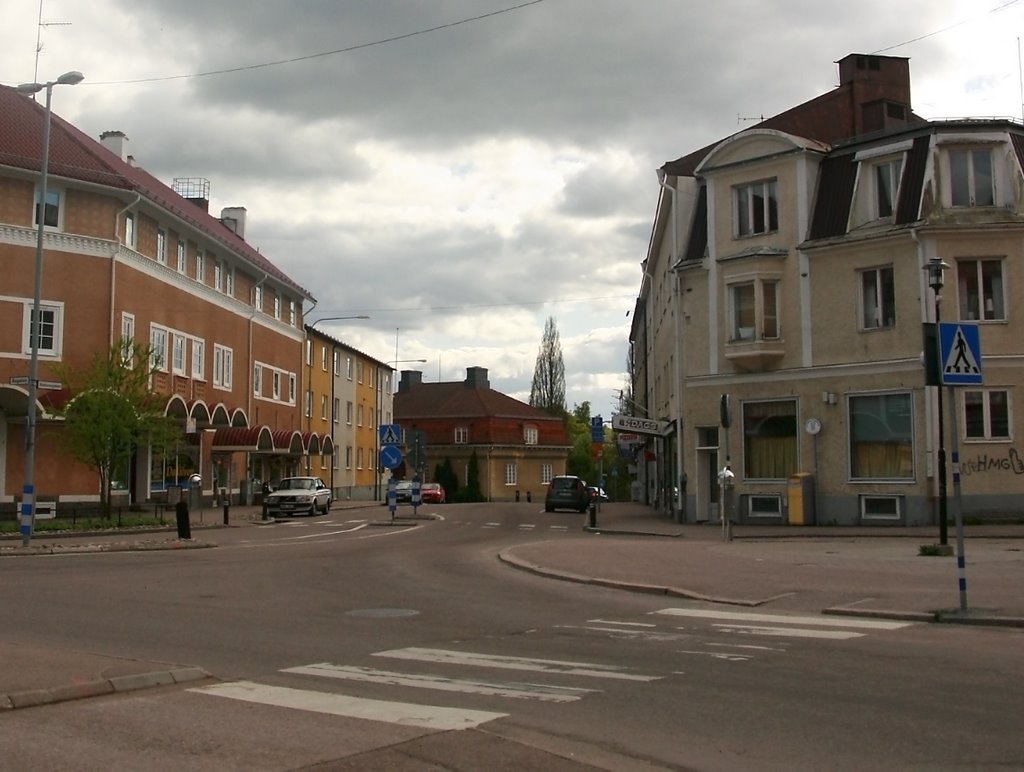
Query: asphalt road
(338, 644)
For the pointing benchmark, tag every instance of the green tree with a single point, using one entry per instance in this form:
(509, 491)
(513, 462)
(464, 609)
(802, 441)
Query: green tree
(113, 412)
(445, 474)
(472, 490)
(547, 391)
(580, 461)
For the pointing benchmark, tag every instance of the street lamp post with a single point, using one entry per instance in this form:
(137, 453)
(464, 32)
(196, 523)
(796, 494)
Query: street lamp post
(935, 269)
(28, 495)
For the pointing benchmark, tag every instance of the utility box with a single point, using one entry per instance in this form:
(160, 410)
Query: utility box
(800, 498)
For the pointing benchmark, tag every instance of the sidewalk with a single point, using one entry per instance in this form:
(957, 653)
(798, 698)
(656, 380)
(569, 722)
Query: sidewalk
(856, 571)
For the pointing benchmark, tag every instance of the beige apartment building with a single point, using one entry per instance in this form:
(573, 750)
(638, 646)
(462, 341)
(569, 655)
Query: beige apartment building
(126, 256)
(787, 273)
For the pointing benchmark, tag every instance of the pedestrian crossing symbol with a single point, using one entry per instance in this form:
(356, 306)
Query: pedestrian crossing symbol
(960, 354)
(390, 434)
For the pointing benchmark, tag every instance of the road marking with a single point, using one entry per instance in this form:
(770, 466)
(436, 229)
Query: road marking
(526, 526)
(473, 659)
(789, 632)
(521, 691)
(718, 655)
(616, 622)
(328, 533)
(558, 527)
(491, 525)
(742, 616)
(404, 713)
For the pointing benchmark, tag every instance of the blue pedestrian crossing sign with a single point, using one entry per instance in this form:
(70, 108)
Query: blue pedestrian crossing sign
(390, 434)
(959, 354)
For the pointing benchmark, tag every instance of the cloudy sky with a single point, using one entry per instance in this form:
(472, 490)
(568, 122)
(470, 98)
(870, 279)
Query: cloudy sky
(460, 170)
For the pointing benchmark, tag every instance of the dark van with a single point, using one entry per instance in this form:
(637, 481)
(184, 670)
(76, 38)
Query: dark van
(567, 491)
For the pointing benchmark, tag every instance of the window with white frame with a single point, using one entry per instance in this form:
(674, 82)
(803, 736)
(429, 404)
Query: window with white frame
(178, 354)
(200, 266)
(887, 185)
(127, 338)
(756, 208)
(461, 435)
(181, 256)
(129, 230)
(158, 348)
(971, 179)
(257, 380)
(52, 210)
(980, 289)
(546, 473)
(755, 310)
(307, 406)
(761, 505)
(47, 334)
(530, 435)
(292, 385)
(276, 384)
(223, 366)
(323, 407)
(293, 314)
(323, 358)
(881, 436)
(198, 358)
(337, 410)
(359, 458)
(277, 306)
(348, 413)
(511, 474)
(878, 298)
(348, 456)
(229, 281)
(161, 246)
(873, 507)
(218, 275)
(359, 370)
(986, 414)
(309, 352)
(257, 297)
(348, 368)
(337, 362)
(359, 415)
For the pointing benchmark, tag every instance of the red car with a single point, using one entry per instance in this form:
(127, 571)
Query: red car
(432, 493)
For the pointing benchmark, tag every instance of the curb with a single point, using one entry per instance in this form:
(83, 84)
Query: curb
(934, 617)
(31, 698)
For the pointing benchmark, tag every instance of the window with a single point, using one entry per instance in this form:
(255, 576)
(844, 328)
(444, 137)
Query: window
(229, 281)
(461, 435)
(307, 407)
(276, 385)
(881, 437)
(292, 384)
(980, 287)
(257, 297)
(198, 354)
(880, 507)
(348, 413)
(158, 346)
(277, 306)
(971, 182)
(323, 407)
(257, 380)
(127, 338)
(887, 184)
(181, 256)
(336, 415)
(178, 355)
(359, 415)
(359, 458)
(292, 313)
(511, 474)
(223, 366)
(337, 362)
(755, 310)
(530, 435)
(129, 230)
(200, 265)
(348, 368)
(359, 371)
(161, 246)
(51, 212)
(769, 439)
(309, 352)
(323, 358)
(757, 208)
(764, 506)
(878, 298)
(48, 334)
(218, 275)
(545, 474)
(348, 456)
(987, 414)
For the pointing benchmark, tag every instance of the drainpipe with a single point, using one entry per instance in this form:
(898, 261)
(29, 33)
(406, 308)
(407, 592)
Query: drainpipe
(679, 513)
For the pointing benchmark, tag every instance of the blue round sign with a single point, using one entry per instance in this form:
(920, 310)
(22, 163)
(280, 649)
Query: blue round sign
(390, 457)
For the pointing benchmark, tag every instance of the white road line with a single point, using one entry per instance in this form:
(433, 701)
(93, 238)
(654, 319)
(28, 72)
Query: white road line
(329, 533)
(491, 525)
(743, 616)
(558, 527)
(521, 691)
(747, 646)
(526, 526)
(472, 659)
(789, 632)
(718, 655)
(616, 622)
(405, 713)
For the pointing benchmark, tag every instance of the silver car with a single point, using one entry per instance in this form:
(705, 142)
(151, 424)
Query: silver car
(299, 496)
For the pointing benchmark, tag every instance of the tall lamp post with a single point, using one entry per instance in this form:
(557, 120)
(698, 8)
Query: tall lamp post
(28, 495)
(935, 269)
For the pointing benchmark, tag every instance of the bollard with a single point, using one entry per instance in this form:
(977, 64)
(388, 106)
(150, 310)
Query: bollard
(528, 497)
(517, 497)
(266, 513)
(593, 516)
(181, 514)
(225, 513)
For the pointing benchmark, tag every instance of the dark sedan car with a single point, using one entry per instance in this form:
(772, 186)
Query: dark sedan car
(567, 492)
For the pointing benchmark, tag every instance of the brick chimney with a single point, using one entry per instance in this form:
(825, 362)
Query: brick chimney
(476, 378)
(410, 379)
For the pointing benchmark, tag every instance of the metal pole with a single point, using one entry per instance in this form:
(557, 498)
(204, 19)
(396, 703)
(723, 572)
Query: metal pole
(28, 493)
(958, 510)
(943, 514)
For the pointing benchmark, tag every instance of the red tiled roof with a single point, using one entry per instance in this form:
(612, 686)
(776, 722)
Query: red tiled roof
(76, 156)
(454, 399)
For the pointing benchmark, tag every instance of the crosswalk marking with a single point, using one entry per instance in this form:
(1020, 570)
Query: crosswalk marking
(407, 714)
(514, 663)
(804, 619)
(513, 690)
(789, 632)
